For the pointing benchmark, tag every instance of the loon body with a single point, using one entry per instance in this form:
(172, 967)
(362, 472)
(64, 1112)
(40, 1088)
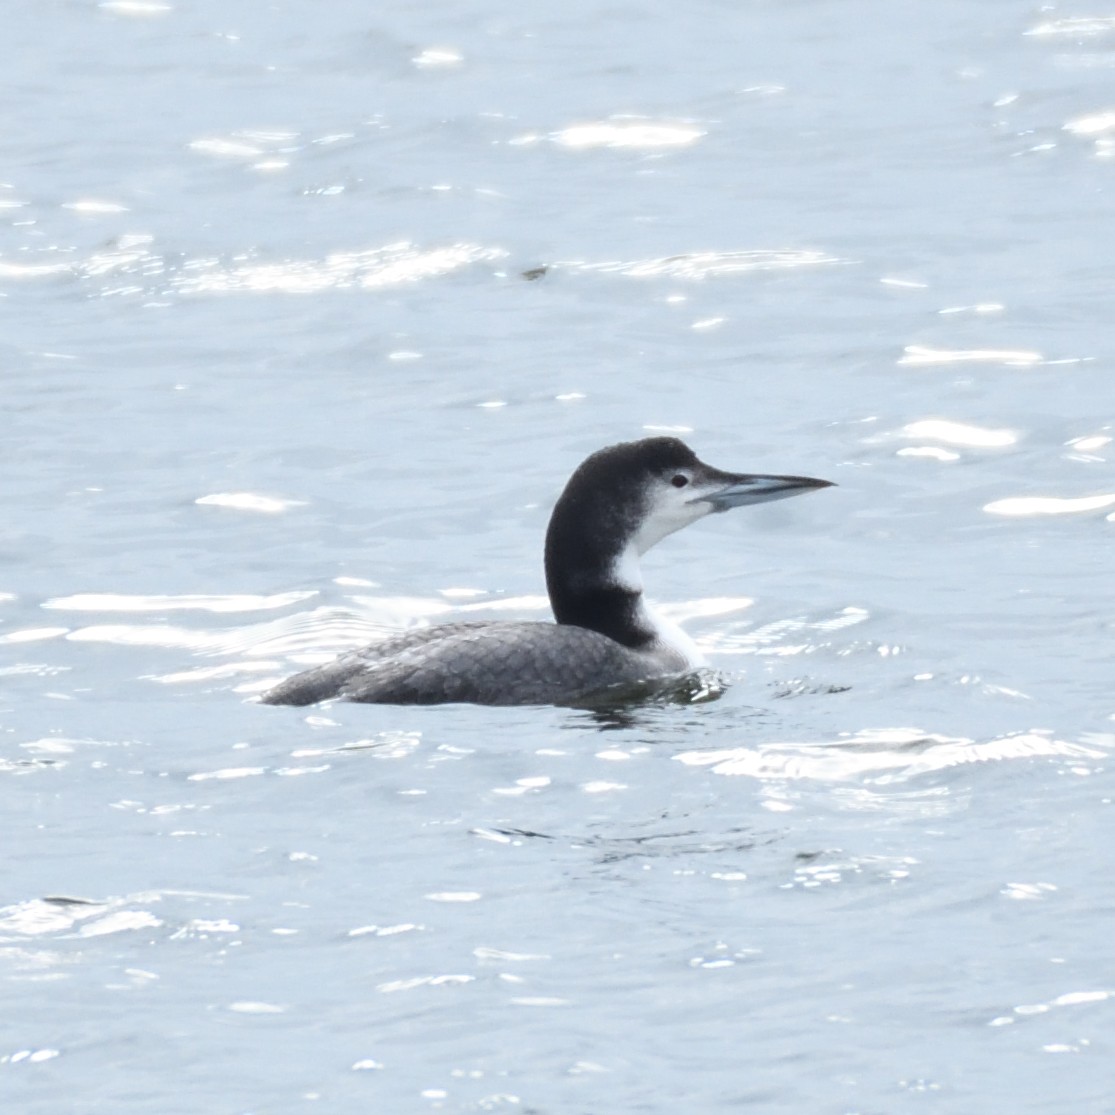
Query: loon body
(617, 505)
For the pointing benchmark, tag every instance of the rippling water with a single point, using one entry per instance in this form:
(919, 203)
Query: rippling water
(307, 316)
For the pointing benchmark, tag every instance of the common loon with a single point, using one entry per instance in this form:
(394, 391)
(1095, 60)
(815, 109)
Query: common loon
(617, 505)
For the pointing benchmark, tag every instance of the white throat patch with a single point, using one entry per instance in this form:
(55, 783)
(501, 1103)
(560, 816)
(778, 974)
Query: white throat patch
(626, 574)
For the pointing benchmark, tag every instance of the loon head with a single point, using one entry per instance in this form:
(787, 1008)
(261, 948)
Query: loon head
(623, 500)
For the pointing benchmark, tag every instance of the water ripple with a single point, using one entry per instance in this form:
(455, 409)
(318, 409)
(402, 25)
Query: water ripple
(123, 602)
(879, 756)
(133, 258)
(709, 265)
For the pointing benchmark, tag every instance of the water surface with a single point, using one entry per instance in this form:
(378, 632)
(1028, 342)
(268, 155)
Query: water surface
(307, 316)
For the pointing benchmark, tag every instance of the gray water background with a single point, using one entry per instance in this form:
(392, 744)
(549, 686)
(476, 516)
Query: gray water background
(275, 382)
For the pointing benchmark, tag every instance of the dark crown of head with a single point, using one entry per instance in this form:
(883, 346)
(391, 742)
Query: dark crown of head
(651, 455)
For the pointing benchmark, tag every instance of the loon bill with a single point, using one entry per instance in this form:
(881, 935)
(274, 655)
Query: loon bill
(618, 504)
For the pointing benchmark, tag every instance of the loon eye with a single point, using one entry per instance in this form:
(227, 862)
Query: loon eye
(680, 480)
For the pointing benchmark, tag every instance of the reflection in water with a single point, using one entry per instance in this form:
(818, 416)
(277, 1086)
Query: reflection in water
(627, 133)
(370, 269)
(1048, 505)
(1075, 27)
(65, 915)
(672, 844)
(922, 356)
(1097, 123)
(143, 9)
(878, 756)
(248, 501)
(958, 433)
(709, 265)
(1089, 445)
(122, 602)
(782, 637)
(395, 744)
(135, 267)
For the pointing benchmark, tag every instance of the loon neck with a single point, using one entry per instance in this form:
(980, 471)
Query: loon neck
(612, 610)
(601, 591)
